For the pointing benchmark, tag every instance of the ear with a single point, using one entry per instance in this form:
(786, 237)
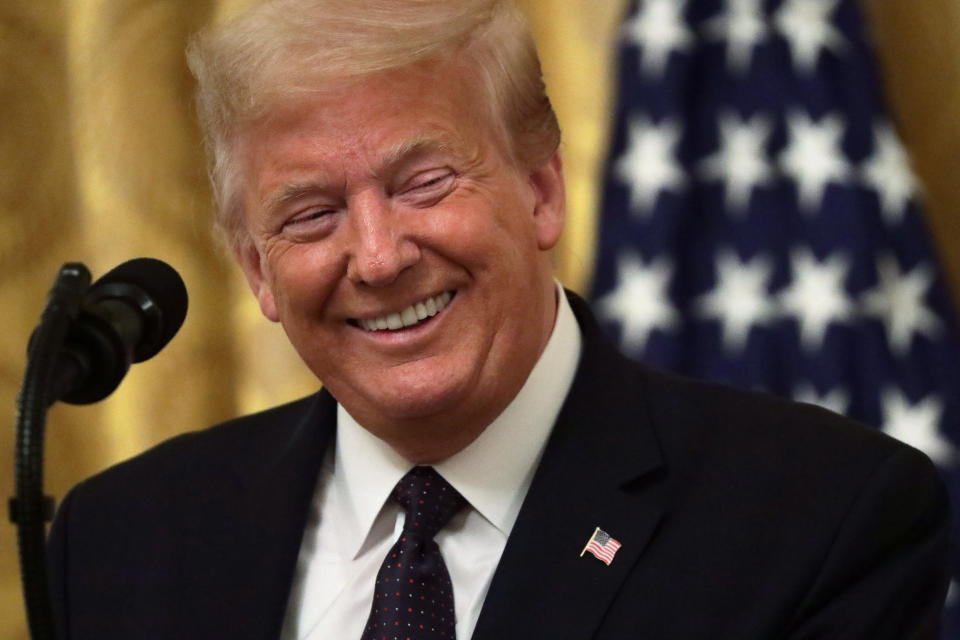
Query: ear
(551, 205)
(249, 259)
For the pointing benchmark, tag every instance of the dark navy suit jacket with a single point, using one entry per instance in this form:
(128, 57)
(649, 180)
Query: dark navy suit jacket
(739, 515)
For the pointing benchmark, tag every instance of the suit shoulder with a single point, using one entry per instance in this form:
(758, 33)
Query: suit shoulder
(756, 455)
(208, 451)
(755, 429)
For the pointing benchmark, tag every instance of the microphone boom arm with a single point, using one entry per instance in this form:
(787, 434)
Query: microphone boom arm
(31, 509)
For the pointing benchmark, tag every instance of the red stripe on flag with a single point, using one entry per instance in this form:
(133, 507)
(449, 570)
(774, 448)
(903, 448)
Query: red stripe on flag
(605, 552)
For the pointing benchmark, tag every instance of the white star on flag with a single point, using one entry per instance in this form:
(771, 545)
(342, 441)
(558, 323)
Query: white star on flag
(813, 157)
(741, 162)
(816, 296)
(898, 301)
(649, 165)
(808, 29)
(917, 424)
(739, 299)
(888, 172)
(836, 400)
(640, 302)
(742, 26)
(657, 29)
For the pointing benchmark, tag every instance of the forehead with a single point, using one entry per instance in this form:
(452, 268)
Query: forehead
(435, 104)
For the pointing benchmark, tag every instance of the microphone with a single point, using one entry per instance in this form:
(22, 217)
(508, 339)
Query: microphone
(126, 316)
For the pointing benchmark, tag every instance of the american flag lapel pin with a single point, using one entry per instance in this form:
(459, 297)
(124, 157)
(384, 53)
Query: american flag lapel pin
(601, 545)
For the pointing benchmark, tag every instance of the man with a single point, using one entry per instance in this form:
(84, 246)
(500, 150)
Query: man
(388, 177)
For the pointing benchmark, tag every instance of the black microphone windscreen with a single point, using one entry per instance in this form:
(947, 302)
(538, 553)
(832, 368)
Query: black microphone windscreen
(163, 286)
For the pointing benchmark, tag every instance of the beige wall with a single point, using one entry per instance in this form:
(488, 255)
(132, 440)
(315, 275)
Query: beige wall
(99, 161)
(918, 44)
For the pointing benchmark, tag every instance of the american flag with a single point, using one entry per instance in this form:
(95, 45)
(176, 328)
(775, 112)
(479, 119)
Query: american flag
(601, 545)
(761, 223)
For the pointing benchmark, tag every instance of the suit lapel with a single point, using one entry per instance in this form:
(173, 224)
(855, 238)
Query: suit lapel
(255, 538)
(599, 469)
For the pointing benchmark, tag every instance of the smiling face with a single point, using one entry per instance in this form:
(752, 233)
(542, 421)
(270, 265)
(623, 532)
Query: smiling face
(403, 251)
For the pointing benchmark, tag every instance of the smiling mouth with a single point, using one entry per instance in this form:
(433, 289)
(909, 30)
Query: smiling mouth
(413, 315)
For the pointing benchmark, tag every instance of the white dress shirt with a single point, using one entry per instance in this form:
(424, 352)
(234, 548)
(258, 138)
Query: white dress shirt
(352, 526)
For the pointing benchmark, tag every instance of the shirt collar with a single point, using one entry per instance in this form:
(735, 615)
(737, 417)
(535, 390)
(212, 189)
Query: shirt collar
(493, 472)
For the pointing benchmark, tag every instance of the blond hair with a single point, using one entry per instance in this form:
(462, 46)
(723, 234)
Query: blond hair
(282, 48)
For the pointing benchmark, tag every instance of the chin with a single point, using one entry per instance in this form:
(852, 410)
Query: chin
(408, 397)
(418, 403)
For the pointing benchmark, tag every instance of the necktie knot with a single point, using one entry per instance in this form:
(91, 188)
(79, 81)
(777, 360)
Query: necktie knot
(428, 500)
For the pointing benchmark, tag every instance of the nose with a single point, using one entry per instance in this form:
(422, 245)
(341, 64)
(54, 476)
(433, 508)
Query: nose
(382, 247)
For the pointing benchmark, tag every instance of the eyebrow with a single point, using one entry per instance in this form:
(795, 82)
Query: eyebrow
(423, 144)
(290, 192)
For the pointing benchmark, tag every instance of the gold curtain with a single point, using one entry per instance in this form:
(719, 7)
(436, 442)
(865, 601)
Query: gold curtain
(100, 162)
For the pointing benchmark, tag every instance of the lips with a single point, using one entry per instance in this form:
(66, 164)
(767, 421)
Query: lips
(408, 317)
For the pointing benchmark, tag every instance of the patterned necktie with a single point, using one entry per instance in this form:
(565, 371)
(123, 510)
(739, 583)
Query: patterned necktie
(413, 596)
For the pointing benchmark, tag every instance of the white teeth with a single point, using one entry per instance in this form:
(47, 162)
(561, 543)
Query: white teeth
(410, 316)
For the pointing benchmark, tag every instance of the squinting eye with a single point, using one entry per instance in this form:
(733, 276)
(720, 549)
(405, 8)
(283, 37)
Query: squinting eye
(429, 180)
(311, 225)
(310, 216)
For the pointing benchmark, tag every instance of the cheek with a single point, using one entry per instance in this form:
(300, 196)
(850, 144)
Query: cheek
(302, 278)
(486, 227)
